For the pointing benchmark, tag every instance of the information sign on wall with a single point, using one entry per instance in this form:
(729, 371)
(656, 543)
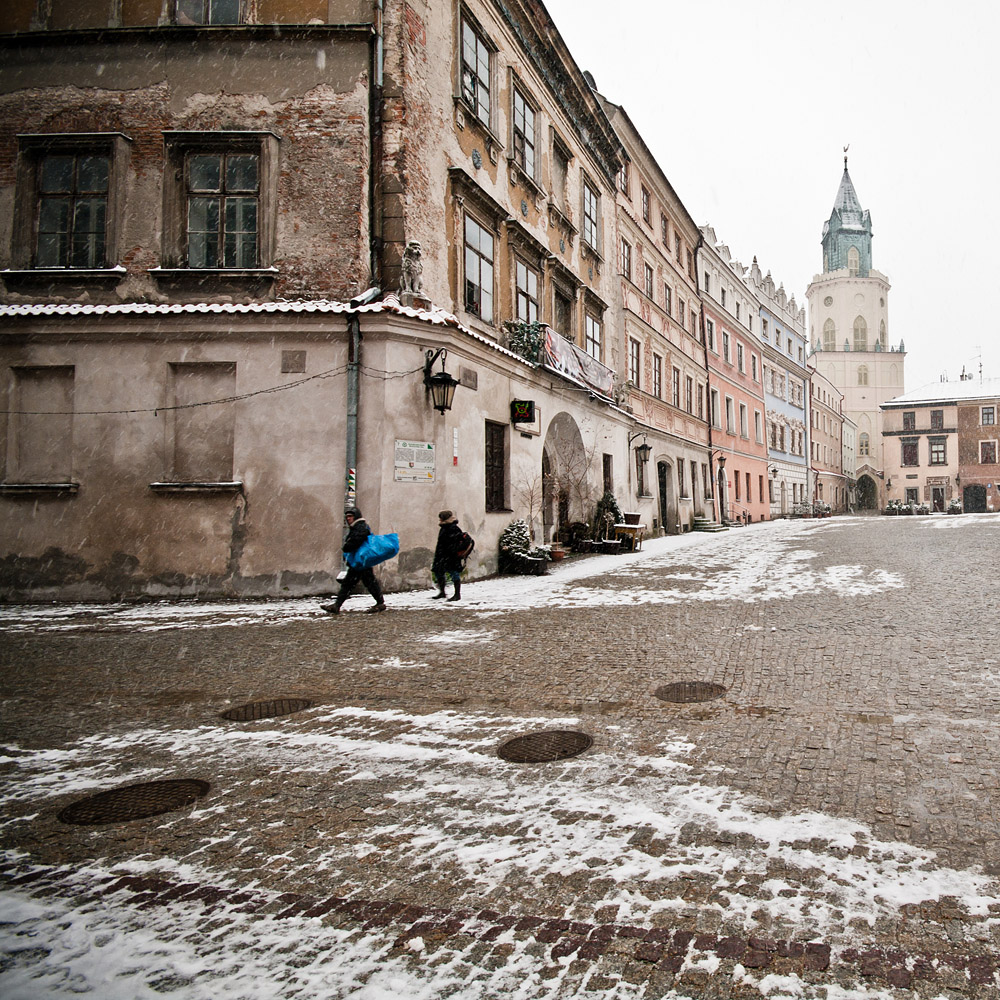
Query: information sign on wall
(414, 462)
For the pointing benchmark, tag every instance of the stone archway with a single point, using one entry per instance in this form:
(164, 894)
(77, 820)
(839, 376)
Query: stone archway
(974, 499)
(867, 493)
(566, 488)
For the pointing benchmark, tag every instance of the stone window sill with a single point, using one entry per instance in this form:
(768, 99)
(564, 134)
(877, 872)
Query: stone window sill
(37, 489)
(235, 486)
(61, 275)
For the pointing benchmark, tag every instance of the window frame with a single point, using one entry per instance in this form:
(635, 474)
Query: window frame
(647, 272)
(208, 6)
(590, 214)
(591, 322)
(909, 452)
(472, 308)
(33, 148)
(634, 361)
(675, 387)
(474, 105)
(937, 450)
(625, 258)
(983, 411)
(178, 146)
(657, 376)
(520, 161)
(523, 295)
(989, 445)
(645, 204)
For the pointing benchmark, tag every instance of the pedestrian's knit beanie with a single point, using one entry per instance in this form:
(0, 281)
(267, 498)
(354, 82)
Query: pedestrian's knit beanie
(354, 512)
(445, 515)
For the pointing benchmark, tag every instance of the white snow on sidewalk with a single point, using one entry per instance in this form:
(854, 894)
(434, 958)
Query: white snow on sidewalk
(768, 561)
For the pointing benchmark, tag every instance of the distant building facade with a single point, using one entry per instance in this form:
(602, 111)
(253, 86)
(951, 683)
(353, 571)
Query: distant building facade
(832, 483)
(849, 333)
(735, 372)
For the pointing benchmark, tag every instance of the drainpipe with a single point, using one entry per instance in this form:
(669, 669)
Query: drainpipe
(713, 482)
(353, 392)
(375, 145)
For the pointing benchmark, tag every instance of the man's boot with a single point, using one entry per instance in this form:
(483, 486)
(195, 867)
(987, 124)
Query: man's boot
(332, 609)
(440, 593)
(457, 596)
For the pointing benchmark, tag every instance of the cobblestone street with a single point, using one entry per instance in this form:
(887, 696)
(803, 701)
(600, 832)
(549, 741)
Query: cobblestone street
(826, 828)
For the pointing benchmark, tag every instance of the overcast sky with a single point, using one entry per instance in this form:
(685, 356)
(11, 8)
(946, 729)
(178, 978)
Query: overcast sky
(747, 107)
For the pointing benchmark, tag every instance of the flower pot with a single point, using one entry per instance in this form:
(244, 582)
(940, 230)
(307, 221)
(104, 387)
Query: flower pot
(557, 553)
(632, 518)
(611, 546)
(584, 544)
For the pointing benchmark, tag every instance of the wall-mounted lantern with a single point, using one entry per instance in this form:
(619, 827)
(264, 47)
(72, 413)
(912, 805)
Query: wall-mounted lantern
(440, 384)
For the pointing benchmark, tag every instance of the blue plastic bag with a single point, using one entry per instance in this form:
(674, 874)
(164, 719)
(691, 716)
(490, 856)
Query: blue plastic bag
(374, 549)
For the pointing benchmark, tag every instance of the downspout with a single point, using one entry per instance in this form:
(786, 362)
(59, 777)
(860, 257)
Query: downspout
(708, 381)
(375, 146)
(353, 393)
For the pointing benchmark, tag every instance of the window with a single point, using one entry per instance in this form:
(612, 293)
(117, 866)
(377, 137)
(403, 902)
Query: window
(694, 322)
(591, 210)
(829, 336)
(221, 213)
(623, 178)
(744, 421)
(677, 247)
(864, 444)
(496, 466)
(663, 228)
(758, 432)
(789, 346)
(912, 494)
(706, 482)
(690, 260)
(987, 416)
(666, 298)
(72, 210)
(675, 388)
(937, 420)
(749, 494)
(736, 482)
(715, 408)
(862, 375)
(475, 72)
(694, 477)
(562, 312)
(478, 270)
(737, 310)
(680, 478)
(634, 362)
(860, 334)
(740, 360)
(909, 420)
(853, 262)
(647, 272)
(763, 328)
(726, 353)
(657, 376)
(938, 451)
(909, 451)
(987, 453)
(689, 394)
(681, 308)
(625, 258)
(68, 200)
(730, 425)
(526, 279)
(560, 171)
(645, 206)
(722, 297)
(701, 401)
(524, 133)
(753, 367)
(222, 203)
(592, 338)
(40, 433)
(607, 468)
(207, 12)
(710, 334)
(203, 435)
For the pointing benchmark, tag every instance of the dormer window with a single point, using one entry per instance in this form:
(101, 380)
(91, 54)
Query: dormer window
(853, 262)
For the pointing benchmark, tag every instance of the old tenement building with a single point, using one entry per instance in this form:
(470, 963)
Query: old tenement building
(191, 194)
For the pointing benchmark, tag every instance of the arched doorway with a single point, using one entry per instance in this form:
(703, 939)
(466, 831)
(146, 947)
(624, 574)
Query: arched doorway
(974, 499)
(668, 511)
(566, 487)
(723, 496)
(867, 494)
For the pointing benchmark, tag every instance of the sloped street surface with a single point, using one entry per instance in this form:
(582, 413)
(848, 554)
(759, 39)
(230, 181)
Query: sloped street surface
(827, 827)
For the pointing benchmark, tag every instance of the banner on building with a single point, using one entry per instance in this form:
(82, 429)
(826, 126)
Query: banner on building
(414, 462)
(566, 357)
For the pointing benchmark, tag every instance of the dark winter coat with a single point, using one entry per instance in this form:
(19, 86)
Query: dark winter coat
(356, 535)
(446, 558)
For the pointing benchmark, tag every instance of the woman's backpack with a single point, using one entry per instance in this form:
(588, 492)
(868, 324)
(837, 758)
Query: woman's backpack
(465, 546)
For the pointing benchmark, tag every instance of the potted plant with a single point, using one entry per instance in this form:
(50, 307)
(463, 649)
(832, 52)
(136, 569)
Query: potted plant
(954, 506)
(515, 554)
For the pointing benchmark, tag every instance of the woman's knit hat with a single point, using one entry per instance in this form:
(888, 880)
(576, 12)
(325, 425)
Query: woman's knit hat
(445, 516)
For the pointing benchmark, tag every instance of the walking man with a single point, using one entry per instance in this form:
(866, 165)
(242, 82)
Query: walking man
(447, 562)
(358, 531)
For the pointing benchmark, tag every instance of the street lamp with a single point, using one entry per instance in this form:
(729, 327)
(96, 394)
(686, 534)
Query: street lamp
(440, 384)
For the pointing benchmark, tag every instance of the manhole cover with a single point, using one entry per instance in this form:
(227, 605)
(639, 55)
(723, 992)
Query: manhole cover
(537, 748)
(265, 709)
(134, 801)
(686, 691)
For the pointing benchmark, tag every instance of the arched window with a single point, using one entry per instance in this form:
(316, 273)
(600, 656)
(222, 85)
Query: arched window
(881, 334)
(864, 445)
(853, 261)
(862, 375)
(860, 334)
(829, 336)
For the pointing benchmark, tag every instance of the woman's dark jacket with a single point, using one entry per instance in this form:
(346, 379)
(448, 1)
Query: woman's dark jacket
(446, 558)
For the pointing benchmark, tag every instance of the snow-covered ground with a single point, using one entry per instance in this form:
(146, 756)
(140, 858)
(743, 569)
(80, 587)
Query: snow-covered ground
(630, 841)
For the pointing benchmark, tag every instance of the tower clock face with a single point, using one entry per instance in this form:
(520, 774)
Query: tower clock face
(828, 301)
